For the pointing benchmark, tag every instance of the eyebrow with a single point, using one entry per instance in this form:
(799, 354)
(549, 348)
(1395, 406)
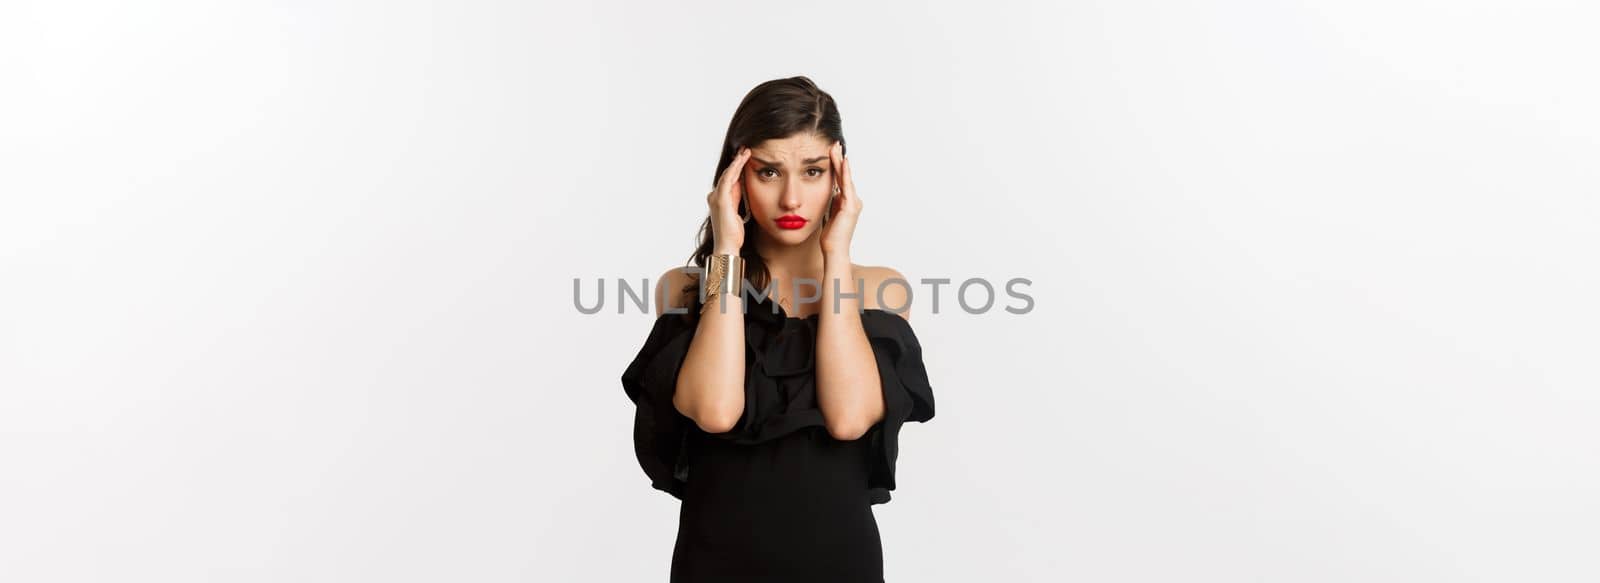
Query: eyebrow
(802, 162)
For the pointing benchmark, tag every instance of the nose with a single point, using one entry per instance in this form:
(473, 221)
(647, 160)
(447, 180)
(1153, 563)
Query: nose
(790, 200)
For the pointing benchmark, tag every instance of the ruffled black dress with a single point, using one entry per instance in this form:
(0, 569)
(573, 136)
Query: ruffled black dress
(776, 498)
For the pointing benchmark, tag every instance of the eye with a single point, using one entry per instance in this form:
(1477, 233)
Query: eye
(762, 172)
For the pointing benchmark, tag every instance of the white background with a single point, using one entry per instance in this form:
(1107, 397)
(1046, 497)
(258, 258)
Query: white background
(286, 288)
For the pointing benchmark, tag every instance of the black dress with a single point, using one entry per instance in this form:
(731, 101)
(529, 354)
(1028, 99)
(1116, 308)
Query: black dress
(776, 498)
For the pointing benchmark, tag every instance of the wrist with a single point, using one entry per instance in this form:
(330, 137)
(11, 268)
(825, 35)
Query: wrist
(724, 274)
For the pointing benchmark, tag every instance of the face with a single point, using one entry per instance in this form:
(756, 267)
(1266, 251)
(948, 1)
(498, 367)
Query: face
(788, 183)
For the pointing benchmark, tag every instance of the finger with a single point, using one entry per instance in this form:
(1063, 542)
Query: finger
(845, 194)
(735, 169)
(739, 162)
(842, 176)
(836, 157)
(729, 172)
(845, 184)
(848, 178)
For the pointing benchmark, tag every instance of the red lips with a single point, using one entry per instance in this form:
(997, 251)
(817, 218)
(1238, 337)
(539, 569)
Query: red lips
(791, 222)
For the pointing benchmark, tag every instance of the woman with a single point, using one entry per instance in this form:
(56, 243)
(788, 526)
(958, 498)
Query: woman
(776, 422)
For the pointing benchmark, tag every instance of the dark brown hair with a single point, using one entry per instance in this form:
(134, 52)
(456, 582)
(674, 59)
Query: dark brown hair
(775, 109)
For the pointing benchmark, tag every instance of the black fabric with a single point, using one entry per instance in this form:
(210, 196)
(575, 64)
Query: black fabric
(776, 494)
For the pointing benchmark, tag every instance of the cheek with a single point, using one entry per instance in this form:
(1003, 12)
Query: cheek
(759, 199)
(821, 196)
(758, 195)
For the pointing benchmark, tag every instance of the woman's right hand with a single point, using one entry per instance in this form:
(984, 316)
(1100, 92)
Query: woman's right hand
(727, 229)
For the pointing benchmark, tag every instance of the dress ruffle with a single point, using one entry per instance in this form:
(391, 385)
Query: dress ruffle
(660, 432)
(780, 390)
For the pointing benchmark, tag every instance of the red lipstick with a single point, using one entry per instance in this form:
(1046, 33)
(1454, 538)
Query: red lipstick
(791, 222)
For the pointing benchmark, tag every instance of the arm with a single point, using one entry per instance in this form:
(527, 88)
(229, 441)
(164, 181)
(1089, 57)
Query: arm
(849, 389)
(710, 387)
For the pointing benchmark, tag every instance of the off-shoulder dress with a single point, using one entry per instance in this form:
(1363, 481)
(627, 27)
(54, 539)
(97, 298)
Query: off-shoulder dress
(776, 498)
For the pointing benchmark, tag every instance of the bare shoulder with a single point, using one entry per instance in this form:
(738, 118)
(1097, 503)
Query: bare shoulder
(669, 289)
(885, 289)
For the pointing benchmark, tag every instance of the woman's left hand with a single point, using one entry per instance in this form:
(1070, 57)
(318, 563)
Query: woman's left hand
(845, 208)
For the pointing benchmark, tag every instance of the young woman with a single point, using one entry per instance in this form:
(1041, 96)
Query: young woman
(770, 413)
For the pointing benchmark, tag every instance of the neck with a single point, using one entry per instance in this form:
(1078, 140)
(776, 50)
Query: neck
(788, 263)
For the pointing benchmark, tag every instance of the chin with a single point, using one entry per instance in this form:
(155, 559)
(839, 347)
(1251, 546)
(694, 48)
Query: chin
(794, 237)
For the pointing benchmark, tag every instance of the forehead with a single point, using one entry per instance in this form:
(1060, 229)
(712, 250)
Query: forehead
(792, 149)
